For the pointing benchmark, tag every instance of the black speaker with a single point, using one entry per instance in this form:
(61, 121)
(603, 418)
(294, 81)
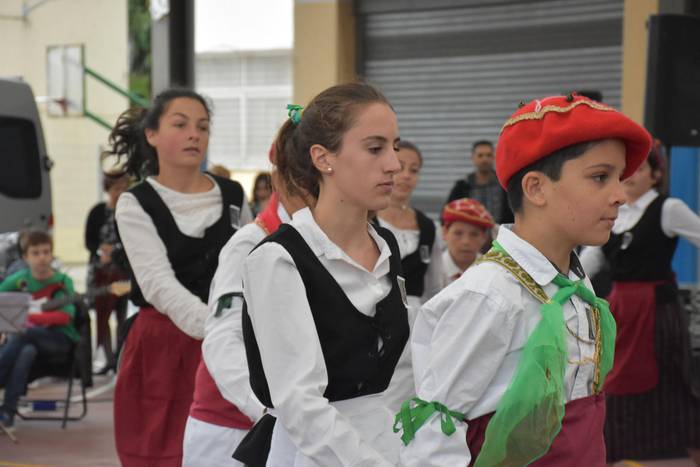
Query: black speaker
(672, 104)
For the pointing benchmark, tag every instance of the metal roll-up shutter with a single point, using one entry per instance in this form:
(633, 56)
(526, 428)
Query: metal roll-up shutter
(455, 70)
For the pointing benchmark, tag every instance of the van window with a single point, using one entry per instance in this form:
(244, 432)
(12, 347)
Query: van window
(20, 176)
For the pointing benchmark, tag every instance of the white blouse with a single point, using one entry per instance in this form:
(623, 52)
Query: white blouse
(193, 213)
(402, 384)
(223, 349)
(407, 240)
(677, 219)
(467, 342)
(313, 430)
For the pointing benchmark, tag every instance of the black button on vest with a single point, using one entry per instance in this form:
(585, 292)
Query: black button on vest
(194, 260)
(360, 352)
(643, 253)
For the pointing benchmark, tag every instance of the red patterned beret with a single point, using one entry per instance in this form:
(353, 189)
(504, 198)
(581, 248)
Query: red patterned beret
(466, 210)
(546, 125)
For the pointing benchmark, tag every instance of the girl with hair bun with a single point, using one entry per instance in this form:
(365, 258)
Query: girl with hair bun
(172, 225)
(325, 318)
(224, 406)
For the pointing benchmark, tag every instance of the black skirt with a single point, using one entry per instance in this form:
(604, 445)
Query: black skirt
(665, 421)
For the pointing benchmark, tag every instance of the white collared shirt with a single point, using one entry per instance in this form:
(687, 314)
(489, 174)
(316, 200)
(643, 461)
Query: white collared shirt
(223, 349)
(408, 240)
(148, 257)
(450, 271)
(290, 349)
(467, 342)
(677, 219)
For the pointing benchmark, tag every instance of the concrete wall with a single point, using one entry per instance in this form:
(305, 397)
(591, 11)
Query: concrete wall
(101, 26)
(635, 37)
(324, 46)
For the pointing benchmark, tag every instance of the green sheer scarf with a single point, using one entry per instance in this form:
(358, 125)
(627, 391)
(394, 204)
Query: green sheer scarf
(530, 413)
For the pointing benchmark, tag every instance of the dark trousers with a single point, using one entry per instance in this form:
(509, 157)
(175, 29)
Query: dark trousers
(104, 305)
(18, 355)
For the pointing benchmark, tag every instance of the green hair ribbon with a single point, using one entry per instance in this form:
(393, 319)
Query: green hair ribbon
(294, 112)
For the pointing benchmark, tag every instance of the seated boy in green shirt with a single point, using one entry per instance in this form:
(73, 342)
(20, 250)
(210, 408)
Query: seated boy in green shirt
(48, 332)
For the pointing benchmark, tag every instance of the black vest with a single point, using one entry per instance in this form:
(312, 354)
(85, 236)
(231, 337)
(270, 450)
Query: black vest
(416, 264)
(194, 260)
(643, 253)
(349, 339)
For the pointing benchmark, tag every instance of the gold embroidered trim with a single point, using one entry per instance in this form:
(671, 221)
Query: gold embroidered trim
(520, 274)
(597, 352)
(597, 384)
(539, 114)
(536, 290)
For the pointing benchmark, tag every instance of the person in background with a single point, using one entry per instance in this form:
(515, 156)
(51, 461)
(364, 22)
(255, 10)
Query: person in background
(16, 260)
(49, 332)
(482, 184)
(415, 232)
(652, 409)
(421, 256)
(173, 225)
(466, 228)
(101, 241)
(224, 406)
(262, 190)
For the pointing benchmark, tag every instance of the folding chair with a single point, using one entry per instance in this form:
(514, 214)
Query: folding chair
(76, 364)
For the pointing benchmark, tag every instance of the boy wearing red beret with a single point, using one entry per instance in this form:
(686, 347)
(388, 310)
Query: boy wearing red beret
(466, 227)
(509, 361)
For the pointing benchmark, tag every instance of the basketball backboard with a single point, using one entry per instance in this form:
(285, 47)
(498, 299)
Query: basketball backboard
(65, 80)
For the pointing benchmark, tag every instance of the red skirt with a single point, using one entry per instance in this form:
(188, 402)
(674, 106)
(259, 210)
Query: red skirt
(211, 407)
(633, 305)
(154, 391)
(580, 442)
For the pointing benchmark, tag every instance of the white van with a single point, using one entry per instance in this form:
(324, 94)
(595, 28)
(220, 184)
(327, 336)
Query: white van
(25, 187)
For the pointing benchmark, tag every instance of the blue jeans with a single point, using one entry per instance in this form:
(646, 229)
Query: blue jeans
(17, 357)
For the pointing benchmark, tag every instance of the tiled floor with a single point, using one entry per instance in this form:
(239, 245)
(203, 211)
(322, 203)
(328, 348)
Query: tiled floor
(90, 442)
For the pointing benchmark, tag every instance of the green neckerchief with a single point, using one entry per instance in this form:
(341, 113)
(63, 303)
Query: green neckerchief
(530, 413)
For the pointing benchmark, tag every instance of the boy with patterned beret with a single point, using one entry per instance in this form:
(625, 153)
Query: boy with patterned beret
(510, 360)
(466, 227)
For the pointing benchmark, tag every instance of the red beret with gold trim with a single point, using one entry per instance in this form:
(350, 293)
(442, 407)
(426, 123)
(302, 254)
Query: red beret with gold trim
(466, 210)
(546, 125)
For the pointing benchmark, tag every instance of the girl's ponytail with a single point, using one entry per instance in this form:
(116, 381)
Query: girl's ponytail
(128, 140)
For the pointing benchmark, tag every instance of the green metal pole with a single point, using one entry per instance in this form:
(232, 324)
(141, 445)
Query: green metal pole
(97, 119)
(132, 97)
